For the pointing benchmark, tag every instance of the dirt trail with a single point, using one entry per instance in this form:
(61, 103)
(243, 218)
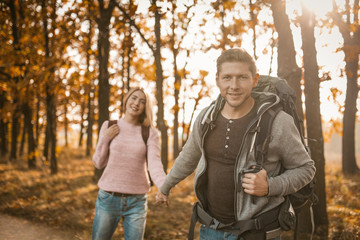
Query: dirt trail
(12, 228)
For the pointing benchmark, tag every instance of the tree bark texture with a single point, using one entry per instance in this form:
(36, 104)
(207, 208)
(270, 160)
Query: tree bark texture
(82, 123)
(3, 130)
(313, 123)
(37, 127)
(3, 139)
(177, 85)
(28, 115)
(159, 91)
(90, 94)
(90, 120)
(15, 115)
(287, 67)
(66, 124)
(349, 165)
(103, 58)
(350, 31)
(22, 141)
(50, 95)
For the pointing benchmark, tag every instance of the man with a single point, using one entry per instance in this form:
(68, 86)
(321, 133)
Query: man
(221, 147)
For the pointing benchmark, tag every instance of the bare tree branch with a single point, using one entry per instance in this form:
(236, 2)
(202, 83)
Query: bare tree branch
(135, 26)
(343, 27)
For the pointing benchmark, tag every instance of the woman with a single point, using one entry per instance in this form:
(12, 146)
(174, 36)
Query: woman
(124, 183)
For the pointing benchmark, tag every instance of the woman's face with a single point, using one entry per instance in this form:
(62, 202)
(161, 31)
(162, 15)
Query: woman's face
(135, 105)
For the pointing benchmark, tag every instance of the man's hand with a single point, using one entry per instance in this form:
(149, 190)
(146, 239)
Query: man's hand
(112, 131)
(256, 183)
(162, 198)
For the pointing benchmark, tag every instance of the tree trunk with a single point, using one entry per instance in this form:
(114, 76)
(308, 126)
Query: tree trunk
(159, 91)
(15, 117)
(224, 41)
(30, 134)
(90, 116)
(103, 58)
(350, 31)
(22, 142)
(314, 127)
(82, 124)
(66, 123)
(3, 137)
(123, 50)
(14, 134)
(46, 144)
(3, 130)
(287, 67)
(90, 120)
(130, 43)
(272, 52)
(177, 85)
(349, 165)
(50, 95)
(37, 128)
(51, 120)
(253, 18)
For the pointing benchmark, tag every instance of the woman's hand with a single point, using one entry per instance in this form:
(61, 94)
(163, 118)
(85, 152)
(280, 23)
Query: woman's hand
(162, 198)
(112, 131)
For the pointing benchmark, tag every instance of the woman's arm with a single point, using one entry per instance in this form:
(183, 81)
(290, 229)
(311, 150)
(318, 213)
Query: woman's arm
(106, 134)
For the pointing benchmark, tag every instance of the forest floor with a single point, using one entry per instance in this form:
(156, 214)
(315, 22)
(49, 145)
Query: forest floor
(62, 205)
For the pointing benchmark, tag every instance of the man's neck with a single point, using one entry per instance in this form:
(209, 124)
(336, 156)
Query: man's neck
(230, 112)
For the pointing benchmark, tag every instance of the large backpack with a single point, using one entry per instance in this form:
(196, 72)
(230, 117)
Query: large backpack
(287, 97)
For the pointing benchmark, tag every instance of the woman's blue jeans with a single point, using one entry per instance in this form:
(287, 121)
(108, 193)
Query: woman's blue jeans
(110, 209)
(207, 233)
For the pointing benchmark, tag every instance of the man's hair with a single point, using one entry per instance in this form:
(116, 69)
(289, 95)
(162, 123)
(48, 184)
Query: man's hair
(236, 55)
(145, 117)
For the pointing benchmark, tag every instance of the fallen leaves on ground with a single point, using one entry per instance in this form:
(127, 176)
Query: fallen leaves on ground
(67, 200)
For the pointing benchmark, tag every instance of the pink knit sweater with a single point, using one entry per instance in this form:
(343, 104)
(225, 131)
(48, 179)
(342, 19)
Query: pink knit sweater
(125, 168)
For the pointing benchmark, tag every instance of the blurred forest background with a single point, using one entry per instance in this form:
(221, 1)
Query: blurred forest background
(66, 65)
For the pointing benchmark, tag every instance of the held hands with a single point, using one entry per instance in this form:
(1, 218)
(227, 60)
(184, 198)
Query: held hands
(112, 131)
(256, 183)
(162, 198)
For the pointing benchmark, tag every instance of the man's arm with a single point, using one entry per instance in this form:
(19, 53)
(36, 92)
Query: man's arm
(187, 161)
(287, 147)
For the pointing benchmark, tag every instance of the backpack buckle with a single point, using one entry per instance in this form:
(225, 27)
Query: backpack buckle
(259, 224)
(215, 224)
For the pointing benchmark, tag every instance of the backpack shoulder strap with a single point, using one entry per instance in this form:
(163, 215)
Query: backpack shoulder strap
(145, 132)
(264, 137)
(111, 122)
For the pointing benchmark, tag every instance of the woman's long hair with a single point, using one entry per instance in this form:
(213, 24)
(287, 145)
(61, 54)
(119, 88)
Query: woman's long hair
(146, 117)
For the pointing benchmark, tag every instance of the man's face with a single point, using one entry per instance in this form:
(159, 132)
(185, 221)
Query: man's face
(235, 82)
